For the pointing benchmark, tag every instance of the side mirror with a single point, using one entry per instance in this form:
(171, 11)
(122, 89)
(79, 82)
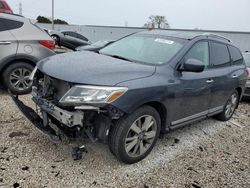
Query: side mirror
(192, 65)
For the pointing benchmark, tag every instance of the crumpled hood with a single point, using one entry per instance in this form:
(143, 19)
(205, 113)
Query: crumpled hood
(93, 69)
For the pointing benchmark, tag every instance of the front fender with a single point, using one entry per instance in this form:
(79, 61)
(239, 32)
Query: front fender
(133, 99)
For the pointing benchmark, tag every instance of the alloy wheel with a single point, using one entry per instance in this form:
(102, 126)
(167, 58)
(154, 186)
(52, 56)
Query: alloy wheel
(141, 135)
(19, 79)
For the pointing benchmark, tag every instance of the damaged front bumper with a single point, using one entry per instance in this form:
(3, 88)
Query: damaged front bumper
(42, 124)
(70, 119)
(50, 111)
(57, 123)
(35, 119)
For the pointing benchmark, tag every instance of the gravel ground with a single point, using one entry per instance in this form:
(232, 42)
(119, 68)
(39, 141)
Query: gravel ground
(205, 154)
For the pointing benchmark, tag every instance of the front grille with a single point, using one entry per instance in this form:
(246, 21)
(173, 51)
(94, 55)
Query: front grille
(51, 88)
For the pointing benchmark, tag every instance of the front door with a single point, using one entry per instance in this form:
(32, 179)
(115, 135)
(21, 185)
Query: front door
(193, 92)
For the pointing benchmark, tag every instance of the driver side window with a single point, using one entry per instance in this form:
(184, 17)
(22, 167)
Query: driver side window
(199, 51)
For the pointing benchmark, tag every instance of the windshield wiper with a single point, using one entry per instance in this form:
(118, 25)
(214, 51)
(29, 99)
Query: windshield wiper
(120, 57)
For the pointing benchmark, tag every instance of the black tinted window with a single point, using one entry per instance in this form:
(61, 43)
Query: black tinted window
(235, 55)
(220, 55)
(9, 24)
(1, 5)
(199, 51)
(72, 34)
(82, 37)
(65, 33)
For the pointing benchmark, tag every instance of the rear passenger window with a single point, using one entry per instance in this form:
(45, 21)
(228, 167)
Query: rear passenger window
(236, 56)
(9, 24)
(72, 34)
(199, 51)
(82, 37)
(219, 54)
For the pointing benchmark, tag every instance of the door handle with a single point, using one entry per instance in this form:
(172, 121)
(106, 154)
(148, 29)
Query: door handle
(4, 43)
(209, 81)
(234, 76)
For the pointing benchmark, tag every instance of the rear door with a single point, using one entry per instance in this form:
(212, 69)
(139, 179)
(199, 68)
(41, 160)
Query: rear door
(221, 80)
(237, 69)
(8, 43)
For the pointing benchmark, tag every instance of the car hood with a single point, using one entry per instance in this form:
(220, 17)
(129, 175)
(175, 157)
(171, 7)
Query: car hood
(93, 69)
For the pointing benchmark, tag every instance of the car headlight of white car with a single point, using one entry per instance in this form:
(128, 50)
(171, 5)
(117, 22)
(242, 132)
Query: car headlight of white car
(92, 94)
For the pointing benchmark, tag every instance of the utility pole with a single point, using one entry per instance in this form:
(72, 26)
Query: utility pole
(53, 27)
(20, 8)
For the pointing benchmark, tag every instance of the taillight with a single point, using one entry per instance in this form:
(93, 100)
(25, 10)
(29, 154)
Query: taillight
(48, 44)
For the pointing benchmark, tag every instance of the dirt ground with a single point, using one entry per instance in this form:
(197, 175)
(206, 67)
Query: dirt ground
(205, 154)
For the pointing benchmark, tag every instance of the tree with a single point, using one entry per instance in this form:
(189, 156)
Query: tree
(157, 21)
(59, 21)
(42, 19)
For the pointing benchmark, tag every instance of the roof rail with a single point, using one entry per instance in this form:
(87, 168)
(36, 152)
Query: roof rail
(216, 36)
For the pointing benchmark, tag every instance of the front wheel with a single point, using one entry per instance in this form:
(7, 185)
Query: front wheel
(229, 108)
(134, 136)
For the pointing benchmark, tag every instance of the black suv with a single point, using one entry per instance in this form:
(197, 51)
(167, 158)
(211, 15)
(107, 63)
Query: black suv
(135, 88)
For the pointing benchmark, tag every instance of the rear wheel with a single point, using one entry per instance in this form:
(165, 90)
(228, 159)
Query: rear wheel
(134, 136)
(229, 108)
(16, 78)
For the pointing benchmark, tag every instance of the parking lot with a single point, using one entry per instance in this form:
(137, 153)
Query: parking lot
(206, 154)
(104, 92)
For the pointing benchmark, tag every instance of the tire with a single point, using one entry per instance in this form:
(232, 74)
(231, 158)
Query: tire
(18, 73)
(143, 139)
(56, 39)
(229, 107)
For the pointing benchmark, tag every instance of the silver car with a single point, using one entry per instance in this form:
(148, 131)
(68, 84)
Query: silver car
(22, 44)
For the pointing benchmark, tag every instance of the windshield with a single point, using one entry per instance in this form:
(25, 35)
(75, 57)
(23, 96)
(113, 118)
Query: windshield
(155, 50)
(247, 59)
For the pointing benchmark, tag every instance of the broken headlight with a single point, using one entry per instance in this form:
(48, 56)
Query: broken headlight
(92, 94)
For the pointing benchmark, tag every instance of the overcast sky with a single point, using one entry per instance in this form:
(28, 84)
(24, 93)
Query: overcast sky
(182, 14)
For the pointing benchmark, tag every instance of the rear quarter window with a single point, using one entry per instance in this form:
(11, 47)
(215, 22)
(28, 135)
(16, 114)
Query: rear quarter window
(9, 24)
(236, 56)
(219, 54)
